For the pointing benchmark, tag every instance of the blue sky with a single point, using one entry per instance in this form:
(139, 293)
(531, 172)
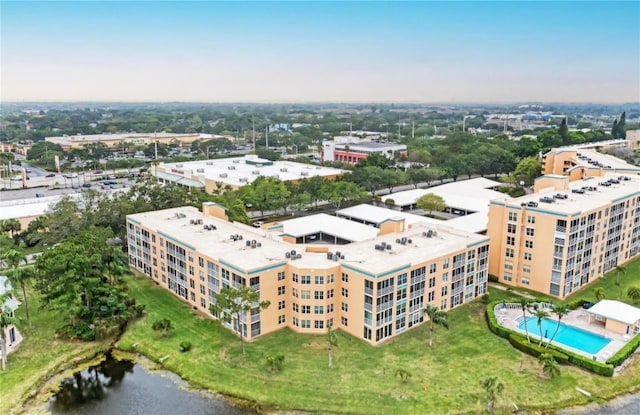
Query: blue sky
(320, 51)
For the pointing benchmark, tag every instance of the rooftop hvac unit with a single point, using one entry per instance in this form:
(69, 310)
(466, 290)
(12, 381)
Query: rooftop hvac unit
(293, 252)
(231, 167)
(209, 163)
(248, 243)
(398, 241)
(304, 173)
(287, 254)
(336, 257)
(388, 249)
(191, 221)
(258, 244)
(298, 256)
(243, 180)
(329, 256)
(435, 234)
(532, 204)
(199, 170)
(409, 241)
(283, 169)
(178, 165)
(223, 175)
(255, 172)
(236, 161)
(377, 247)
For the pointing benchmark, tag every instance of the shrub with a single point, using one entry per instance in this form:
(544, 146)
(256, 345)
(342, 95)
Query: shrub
(521, 343)
(625, 352)
(486, 299)
(162, 326)
(275, 362)
(185, 346)
(493, 278)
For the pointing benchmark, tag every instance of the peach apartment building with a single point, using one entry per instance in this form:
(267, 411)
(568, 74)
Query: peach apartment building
(371, 281)
(567, 234)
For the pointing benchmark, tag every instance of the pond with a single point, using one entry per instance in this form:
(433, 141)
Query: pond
(125, 387)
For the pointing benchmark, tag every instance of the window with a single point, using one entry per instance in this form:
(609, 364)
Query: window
(432, 296)
(305, 279)
(306, 324)
(511, 228)
(318, 295)
(401, 308)
(526, 268)
(344, 307)
(294, 277)
(507, 276)
(294, 292)
(531, 219)
(330, 293)
(319, 324)
(445, 263)
(344, 321)
(432, 268)
(345, 292)
(319, 279)
(445, 276)
(281, 319)
(528, 256)
(281, 305)
(401, 294)
(443, 305)
(305, 294)
(402, 279)
(192, 283)
(513, 216)
(202, 289)
(528, 244)
(200, 261)
(295, 321)
(432, 282)
(509, 253)
(530, 231)
(203, 303)
(281, 276)
(329, 308)
(443, 292)
(345, 277)
(318, 309)
(295, 307)
(330, 279)
(306, 309)
(525, 281)
(511, 240)
(281, 290)
(508, 265)
(191, 272)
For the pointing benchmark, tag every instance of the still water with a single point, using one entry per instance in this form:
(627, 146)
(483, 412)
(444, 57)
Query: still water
(116, 387)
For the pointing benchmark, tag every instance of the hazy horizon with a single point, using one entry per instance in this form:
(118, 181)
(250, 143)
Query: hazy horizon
(321, 52)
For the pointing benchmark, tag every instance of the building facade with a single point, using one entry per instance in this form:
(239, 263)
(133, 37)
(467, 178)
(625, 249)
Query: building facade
(371, 282)
(68, 142)
(352, 149)
(567, 234)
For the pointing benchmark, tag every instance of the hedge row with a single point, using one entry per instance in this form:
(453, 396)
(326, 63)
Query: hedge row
(604, 369)
(521, 343)
(625, 352)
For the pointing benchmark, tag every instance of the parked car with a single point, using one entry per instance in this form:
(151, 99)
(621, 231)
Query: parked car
(50, 175)
(86, 185)
(39, 194)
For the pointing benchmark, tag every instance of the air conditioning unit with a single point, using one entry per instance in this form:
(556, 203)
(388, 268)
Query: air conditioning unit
(283, 169)
(304, 173)
(255, 172)
(223, 175)
(209, 163)
(236, 161)
(231, 167)
(199, 170)
(178, 165)
(243, 180)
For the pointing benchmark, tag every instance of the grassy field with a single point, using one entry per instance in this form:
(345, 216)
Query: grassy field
(445, 379)
(39, 356)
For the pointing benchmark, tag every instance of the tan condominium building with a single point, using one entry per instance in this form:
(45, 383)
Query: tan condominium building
(67, 142)
(372, 281)
(579, 162)
(567, 234)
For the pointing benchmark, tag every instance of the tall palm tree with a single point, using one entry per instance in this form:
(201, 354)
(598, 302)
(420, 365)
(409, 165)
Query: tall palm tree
(436, 316)
(559, 310)
(550, 366)
(540, 314)
(524, 303)
(332, 339)
(493, 387)
(619, 270)
(14, 257)
(634, 294)
(599, 293)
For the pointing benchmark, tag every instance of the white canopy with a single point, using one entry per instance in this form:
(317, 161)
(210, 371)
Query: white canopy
(616, 310)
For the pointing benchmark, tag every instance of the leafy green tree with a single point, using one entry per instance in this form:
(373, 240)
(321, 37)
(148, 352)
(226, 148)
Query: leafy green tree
(369, 177)
(18, 275)
(392, 178)
(312, 187)
(10, 225)
(550, 366)
(634, 294)
(267, 193)
(599, 293)
(559, 310)
(332, 340)
(550, 139)
(454, 166)
(540, 315)
(431, 202)
(528, 169)
(493, 387)
(339, 191)
(375, 160)
(436, 316)
(233, 303)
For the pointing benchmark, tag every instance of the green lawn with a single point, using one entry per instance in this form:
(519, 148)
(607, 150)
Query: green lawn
(446, 378)
(39, 356)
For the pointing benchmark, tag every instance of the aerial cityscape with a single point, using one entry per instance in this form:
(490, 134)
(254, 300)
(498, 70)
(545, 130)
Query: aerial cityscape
(320, 207)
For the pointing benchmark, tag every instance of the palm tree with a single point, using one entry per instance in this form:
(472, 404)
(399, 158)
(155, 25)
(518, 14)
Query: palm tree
(634, 294)
(14, 257)
(436, 316)
(550, 366)
(560, 310)
(599, 293)
(524, 303)
(619, 270)
(332, 339)
(493, 388)
(540, 314)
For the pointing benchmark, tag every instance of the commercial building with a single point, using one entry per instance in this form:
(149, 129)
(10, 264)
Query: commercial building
(237, 172)
(351, 149)
(372, 282)
(567, 234)
(68, 142)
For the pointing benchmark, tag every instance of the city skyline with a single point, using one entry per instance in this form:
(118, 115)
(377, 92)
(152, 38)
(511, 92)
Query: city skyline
(320, 51)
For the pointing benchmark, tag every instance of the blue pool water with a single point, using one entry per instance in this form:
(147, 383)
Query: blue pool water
(569, 336)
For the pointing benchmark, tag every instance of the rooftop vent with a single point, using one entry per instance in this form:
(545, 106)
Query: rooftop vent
(231, 167)
(304, 173)
(284, 169)
(236, 161)
(243, 180)
(199, 170)
(223, 175)
(209, 163)
(255, 172)
(560, 196)
(547, 199)
(178, 165)
(579, 191)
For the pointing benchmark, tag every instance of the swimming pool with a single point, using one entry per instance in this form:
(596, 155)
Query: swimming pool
(567, 335)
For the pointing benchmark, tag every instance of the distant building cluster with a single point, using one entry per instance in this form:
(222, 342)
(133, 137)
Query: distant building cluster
(68, 142)
(353, 148)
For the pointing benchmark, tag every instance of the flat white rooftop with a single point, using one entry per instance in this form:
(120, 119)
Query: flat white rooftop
(240, 171)
(616, 310)
(592, 159)
(576, 203)
(175, 224)
(121, 136)
(474, 194)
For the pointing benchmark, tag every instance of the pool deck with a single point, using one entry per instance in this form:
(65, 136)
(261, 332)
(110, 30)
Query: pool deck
(508, 314)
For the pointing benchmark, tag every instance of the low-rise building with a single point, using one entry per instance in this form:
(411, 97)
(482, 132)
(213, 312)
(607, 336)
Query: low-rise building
(237, 172)
(371, 282)
(67, 142)
(9, 305)
(351, 149)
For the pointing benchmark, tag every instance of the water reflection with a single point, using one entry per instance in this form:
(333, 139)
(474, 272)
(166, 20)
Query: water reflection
(122, 387)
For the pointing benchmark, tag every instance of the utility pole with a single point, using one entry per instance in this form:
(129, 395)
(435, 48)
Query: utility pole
(253, 124)
(266, 129)
(413, 129)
